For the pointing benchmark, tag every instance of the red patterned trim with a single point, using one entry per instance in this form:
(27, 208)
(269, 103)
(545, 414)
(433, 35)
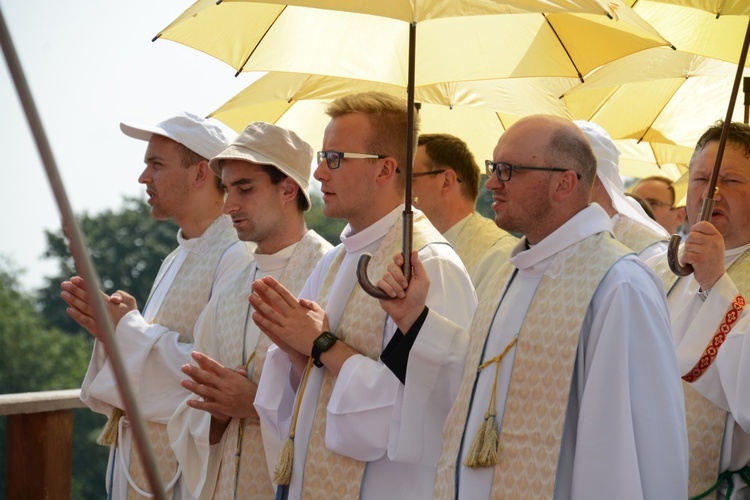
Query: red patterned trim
(730, 318)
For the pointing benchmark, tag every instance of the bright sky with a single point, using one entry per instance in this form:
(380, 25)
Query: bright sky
(90, 65)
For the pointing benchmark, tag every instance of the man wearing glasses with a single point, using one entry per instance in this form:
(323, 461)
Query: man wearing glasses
(660, 196)
(446, 187)
(570, 387)
(324, 384)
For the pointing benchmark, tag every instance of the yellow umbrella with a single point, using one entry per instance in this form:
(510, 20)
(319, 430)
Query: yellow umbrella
(477, 112)
(646, 159)
(657, 95)
(712, 28)
(457, 40)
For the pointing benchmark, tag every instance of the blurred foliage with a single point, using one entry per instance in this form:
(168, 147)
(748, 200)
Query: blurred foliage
(39, 357)
(330, 229)
(126, 247)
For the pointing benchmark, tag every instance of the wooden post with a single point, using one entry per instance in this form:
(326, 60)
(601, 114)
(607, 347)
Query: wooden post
(39, 458)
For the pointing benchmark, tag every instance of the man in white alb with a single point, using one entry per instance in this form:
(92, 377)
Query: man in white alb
(215, 433)
(157, 342)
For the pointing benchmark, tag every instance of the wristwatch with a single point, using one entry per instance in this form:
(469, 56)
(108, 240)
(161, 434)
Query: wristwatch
(320, 345)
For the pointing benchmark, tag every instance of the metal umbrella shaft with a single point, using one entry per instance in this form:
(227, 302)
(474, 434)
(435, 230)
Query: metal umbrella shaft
(408, 215)
(80, 256)
(708, 201)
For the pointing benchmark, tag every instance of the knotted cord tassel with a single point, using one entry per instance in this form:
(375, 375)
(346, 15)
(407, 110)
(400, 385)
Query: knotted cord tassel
(283, 473)
(483, 449)
(108, 436)
(472, 457)
(490, 442)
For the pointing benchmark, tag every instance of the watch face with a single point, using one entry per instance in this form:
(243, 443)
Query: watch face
(325, 341)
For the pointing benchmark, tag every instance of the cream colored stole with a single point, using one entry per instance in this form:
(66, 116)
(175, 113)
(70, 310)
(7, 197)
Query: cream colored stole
(476, 237)
(232, 316)
(537, 400)
(635, 236)
(706, 421)
(328, 474)
(183, 304)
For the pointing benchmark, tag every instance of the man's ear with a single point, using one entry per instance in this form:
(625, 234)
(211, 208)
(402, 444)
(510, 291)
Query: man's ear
(388, 170)
(289, 190)
(203, 174)
(567, 184)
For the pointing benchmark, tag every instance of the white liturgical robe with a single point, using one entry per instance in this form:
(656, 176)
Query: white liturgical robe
(368, 401)
(151, 353)
(624, 434)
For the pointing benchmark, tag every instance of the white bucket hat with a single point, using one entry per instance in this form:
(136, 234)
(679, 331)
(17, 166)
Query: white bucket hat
(268, 144)
(204, 136)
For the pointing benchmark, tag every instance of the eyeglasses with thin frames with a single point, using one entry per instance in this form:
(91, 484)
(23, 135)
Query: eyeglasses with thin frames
(432, 172)
(333, 158)
(657, 204)
(504, 170)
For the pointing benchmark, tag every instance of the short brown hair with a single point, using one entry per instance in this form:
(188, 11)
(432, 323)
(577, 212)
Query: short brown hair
(569, 149)
(388, 118)
(190, 157)
(739, 134)
(448, 151)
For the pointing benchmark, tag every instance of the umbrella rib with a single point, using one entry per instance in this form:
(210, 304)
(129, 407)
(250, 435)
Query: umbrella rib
(242, 66)
(580, 77)
(656, 115)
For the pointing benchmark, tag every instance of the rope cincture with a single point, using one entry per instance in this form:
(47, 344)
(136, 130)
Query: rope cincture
(483, 449)
(240, 436)
(727, 475)
(283, 473)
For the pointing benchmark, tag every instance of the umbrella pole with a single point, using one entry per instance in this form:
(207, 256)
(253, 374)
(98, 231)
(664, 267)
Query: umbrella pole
(81, 257)
(746, 90)
(408, 215)
(708, 202)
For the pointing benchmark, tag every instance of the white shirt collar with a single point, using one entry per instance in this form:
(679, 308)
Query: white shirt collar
(355, 242)
(536, 260)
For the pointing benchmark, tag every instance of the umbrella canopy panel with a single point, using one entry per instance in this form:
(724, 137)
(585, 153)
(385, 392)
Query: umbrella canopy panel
(265, 37)
(656, 96)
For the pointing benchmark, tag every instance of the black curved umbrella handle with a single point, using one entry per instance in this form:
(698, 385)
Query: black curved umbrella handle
(674, 262)
(364, 260)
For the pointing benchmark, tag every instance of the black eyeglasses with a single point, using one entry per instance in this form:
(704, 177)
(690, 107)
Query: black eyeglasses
(504, 170)
(428, 172)
(656, 203)
(333, 158)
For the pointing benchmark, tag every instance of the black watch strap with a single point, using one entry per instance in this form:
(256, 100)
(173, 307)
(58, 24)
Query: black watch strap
(320, 345)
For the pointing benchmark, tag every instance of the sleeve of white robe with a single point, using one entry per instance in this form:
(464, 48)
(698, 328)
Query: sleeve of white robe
(631, 439)
(152, 356)
(368, 400)
(724, 383)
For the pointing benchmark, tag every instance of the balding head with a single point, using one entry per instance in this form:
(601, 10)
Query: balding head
(536, 203)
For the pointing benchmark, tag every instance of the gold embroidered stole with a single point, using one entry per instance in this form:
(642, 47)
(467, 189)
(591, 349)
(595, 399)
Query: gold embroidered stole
(706, 421)
(182, 305)
(233, 312)
(537, 399)
(476, 237)
(328, 474)
(634, 235)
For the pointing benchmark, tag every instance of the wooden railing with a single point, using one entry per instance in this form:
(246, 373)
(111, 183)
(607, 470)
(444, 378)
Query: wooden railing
(40, 441)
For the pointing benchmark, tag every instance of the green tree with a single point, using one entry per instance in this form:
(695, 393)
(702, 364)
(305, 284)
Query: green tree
(126, 247)
(37, 357)
(330, 229)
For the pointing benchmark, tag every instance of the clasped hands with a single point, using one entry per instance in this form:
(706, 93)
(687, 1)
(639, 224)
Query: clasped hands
(81, 307)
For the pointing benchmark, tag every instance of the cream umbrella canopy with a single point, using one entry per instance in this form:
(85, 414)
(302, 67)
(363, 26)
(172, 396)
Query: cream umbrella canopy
(659, 96)
(477, 112)
(458, 41)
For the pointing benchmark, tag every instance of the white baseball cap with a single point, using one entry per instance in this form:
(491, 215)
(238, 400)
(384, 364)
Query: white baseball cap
(204, 136)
